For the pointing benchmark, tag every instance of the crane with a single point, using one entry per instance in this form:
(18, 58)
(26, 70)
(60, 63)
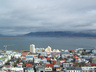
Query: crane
(7, 46)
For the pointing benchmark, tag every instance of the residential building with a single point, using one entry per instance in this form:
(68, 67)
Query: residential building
(73, 69)
(32, 48)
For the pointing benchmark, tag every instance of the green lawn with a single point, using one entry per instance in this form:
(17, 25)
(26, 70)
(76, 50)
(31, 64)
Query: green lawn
(3, 57)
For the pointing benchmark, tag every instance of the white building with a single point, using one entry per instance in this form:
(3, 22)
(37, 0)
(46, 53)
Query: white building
(56, 50)
(73, 69)
(67, 65)
(48, 49)
(88, 69)
(48, 69)
(29, 57)
(32, 48)
(39, 50)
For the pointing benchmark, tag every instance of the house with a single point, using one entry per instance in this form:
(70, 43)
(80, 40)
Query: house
(87, 51)
(69, 59)
(88, 56)
(79, 49)
(19, 65)
(33, 54)
(56, 62)
(49, 65)
(37, 60)
(6, 67)
(24, 54)
(94, 60)
(40, 68)
(67, 65)
(71, 51)
(56, 54)
(17, 55)
(16, 69)
(44, 60)
(73, 69)
(92, 64)
(1, 55)
(66, 54)
(42, 53)
(29, 65)
(88, 69)
(1, 63)
(29, 69)
(9, 52)
(48, 69)
(58, 69)
(29, 57)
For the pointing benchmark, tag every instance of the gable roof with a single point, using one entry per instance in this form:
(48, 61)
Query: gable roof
(49, 65)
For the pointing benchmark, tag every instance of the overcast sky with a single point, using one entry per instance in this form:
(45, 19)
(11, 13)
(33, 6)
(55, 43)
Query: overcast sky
(24, 16)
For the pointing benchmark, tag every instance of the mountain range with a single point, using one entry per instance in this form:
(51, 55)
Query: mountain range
(56, 34)
(61, 34)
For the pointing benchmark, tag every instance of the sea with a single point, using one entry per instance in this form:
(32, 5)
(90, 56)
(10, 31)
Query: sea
(65, 43)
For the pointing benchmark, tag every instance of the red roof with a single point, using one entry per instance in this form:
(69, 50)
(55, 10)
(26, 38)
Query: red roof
(49, 65)
(48, 54)
(32, 53)
(56, 62)
(41, 56)
(76, 58)
(28, 65)
(19, 64)
(25, 53)
(86, 65)
(20, 60)
(92, 64)
(63, 60)
(6, 66)
(24, 58)
(47, 58)
(58, 67)
(72, 50)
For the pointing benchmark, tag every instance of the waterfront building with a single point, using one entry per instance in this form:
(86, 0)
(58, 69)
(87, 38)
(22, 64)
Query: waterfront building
(32, 48)
(48, 49)
(39, 50)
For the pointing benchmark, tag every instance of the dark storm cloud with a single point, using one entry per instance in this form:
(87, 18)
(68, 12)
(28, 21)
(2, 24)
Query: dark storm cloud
(21, 16)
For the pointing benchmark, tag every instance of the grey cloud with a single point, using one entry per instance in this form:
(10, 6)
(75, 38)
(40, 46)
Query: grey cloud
(21, 16)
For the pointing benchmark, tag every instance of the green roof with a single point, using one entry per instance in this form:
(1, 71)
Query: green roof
(94, 59)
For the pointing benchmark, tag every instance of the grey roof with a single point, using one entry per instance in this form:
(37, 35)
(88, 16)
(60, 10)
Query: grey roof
(73, 68)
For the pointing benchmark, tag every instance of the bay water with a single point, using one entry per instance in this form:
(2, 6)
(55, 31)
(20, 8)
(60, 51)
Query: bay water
(23, 43)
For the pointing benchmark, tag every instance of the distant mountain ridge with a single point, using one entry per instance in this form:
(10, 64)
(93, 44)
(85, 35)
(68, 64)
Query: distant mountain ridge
(1, 35)
(60, 34)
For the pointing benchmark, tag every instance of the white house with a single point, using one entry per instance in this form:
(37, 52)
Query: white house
(48, 69)
(88, 69)
(73, 69)
(67, 65)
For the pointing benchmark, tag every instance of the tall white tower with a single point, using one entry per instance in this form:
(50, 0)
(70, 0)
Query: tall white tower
(32, 48)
